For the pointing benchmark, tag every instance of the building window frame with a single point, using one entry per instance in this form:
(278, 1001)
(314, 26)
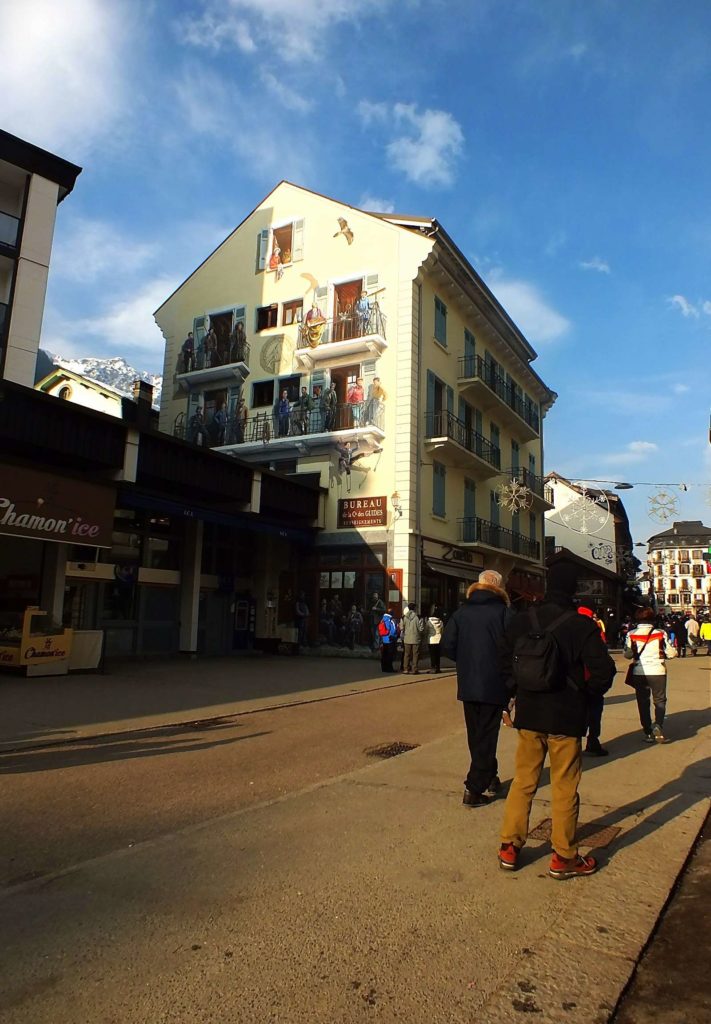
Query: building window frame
(440, 321)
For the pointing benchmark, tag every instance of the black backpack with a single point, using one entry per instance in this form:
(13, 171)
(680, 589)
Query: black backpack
(537, 660)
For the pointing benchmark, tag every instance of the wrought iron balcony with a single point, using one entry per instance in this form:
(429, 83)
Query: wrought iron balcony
(209, 365)
(486, 386)
(474, 530)
(536, 484)
(293, 434)
(335, 342)
(443, 430)
(9, 230)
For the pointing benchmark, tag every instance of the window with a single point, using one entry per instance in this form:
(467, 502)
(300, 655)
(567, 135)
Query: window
(515, 457)
(686, 598)
(698, 584)
(267, 316)
(532, 525)
(672, 599)
(697, 554)
(684, 569)
(440, 324)
(439, 476)
(279, 246)
(469, 353)
(672, 584)
(292, 386)
(65, 393)
(262, 393)
(291, 312)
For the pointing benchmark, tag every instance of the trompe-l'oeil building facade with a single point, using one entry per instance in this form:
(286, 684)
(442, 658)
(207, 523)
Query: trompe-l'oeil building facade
(363, 349)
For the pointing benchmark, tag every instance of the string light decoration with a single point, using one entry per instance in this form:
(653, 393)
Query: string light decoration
(663, 506)
(514, 496)
(589, 513)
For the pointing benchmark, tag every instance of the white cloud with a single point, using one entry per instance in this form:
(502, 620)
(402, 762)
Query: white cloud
(288, 98)
(577, 51)
(635, 451)
(706, 307)
(595, 264)
(687, 308)
(680, 389)
(425, 146)
(62, 73)
(292, 30)
(86, 250)
(375, 205)
(527, 307)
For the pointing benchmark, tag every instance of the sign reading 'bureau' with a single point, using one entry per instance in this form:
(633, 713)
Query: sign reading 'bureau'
(354, 513)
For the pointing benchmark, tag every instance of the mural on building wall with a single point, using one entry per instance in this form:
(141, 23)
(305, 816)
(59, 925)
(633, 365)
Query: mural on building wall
(277, 354)
(344, 230)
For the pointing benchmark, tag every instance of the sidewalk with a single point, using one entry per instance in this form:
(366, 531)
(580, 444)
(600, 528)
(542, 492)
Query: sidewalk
(375, 894)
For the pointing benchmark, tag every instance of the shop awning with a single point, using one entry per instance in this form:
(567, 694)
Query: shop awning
(459, 572)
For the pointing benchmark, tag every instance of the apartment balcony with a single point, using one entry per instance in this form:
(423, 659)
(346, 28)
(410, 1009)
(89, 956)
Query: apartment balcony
(215, 368)
(488, 391)
(345, 339)
(265, 436)
(9, 233)
(482, 533)
(542, 494)
(451, 441)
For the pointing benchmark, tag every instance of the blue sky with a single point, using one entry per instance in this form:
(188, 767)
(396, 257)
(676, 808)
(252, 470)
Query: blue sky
(564, 145)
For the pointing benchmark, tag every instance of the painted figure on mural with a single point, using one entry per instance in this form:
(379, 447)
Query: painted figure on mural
(238, 344)
(303, 407)
(362, 309)
(188, 351)
(197, 431)
(329, 406)
(375, 408)
(314, 325)
(282, 414)
(356, 399)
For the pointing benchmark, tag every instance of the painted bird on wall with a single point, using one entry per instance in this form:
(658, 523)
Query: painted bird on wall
(344, 230)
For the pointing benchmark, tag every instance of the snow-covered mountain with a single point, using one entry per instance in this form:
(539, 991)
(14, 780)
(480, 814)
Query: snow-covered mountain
(115, 372)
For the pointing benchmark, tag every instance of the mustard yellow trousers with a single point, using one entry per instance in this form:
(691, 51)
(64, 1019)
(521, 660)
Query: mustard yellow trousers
(566, 766)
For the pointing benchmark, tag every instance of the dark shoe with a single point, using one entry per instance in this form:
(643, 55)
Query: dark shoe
(595, 749)
(657, 734)
(474, 799)
(493, 788)
(508, 856)
(575, 867)
(648, 737)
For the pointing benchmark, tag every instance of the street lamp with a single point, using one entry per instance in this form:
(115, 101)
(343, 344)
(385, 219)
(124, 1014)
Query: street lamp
(396, 503)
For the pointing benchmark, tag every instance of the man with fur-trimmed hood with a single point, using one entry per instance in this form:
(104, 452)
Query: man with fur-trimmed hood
(471, 639)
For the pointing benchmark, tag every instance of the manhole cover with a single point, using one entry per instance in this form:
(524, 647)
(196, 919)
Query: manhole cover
(590, 835)
(390, 749)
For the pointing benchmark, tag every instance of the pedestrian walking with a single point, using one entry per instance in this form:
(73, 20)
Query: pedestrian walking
(692, 633)
(434, 627)
(595, 701)
(544, 656)
(648, 647)
(470, 638)
(705, 635)
(377, 610)
(411, 630)
(387, 630)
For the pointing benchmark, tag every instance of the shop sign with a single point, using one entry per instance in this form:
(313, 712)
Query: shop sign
(43, 506)
(458, 555)
(359, 512)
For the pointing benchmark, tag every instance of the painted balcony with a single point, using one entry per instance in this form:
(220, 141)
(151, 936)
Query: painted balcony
(214, 368)
(489, 391)
(264, 435)
(449, 440)
(482, 533)
(541, 492)
(345, 339)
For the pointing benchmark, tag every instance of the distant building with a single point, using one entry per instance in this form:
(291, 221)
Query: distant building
(32, 183)
(679, 567)
(589, 528)
(74, 387)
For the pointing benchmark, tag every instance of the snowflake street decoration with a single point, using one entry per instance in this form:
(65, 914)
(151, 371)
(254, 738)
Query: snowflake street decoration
(588, 514)
(663, 506)
(514, 496)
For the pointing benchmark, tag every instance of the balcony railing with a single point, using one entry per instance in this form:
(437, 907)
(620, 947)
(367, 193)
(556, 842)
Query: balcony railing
(534, 483)
(346, 327)
(9, 230)
(269, 426)
(471, 367)
(446, 424)
(480, 531)
(211, 354)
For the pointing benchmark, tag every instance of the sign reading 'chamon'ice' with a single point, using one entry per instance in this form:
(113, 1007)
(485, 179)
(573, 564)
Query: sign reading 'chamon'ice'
(355, 513)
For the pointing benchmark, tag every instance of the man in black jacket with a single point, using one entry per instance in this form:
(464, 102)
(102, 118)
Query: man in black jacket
(471, 639)
(553, 722)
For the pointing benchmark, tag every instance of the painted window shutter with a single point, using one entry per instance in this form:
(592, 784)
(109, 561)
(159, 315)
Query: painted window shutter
(493, 508)
(469, 499)
(199, 329)
(297, 239)
(430, 393)
(193, 402)
(239, 313)
(262, 248)
(478, 425)
(369, 371)
(514, 456)
(321, 299)
(319, 380)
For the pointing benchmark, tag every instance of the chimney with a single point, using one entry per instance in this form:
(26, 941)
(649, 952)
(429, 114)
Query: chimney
(143, 397)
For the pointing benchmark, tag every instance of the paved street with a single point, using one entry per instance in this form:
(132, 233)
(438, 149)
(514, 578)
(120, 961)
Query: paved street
(262, 867)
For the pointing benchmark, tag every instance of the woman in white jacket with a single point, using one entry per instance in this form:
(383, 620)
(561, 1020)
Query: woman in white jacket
(434, 627)
(648, 644)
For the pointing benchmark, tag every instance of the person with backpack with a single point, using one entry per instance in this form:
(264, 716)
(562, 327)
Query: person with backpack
(648, 647)
(470, 638)
(388, 632)
(551, 658)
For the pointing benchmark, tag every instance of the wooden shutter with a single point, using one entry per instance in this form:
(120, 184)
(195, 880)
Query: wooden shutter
(262, 248)
(469, 499)
(450, 399)
(514, 456)
(369, 371)
(297, 241)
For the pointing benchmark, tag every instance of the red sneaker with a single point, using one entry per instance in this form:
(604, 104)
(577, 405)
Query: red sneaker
(572, 868)
(508, 856)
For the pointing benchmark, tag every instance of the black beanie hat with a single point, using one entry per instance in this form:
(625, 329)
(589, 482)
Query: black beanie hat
(563, 579)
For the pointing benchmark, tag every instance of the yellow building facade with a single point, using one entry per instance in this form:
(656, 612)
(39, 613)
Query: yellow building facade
(364, 350)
